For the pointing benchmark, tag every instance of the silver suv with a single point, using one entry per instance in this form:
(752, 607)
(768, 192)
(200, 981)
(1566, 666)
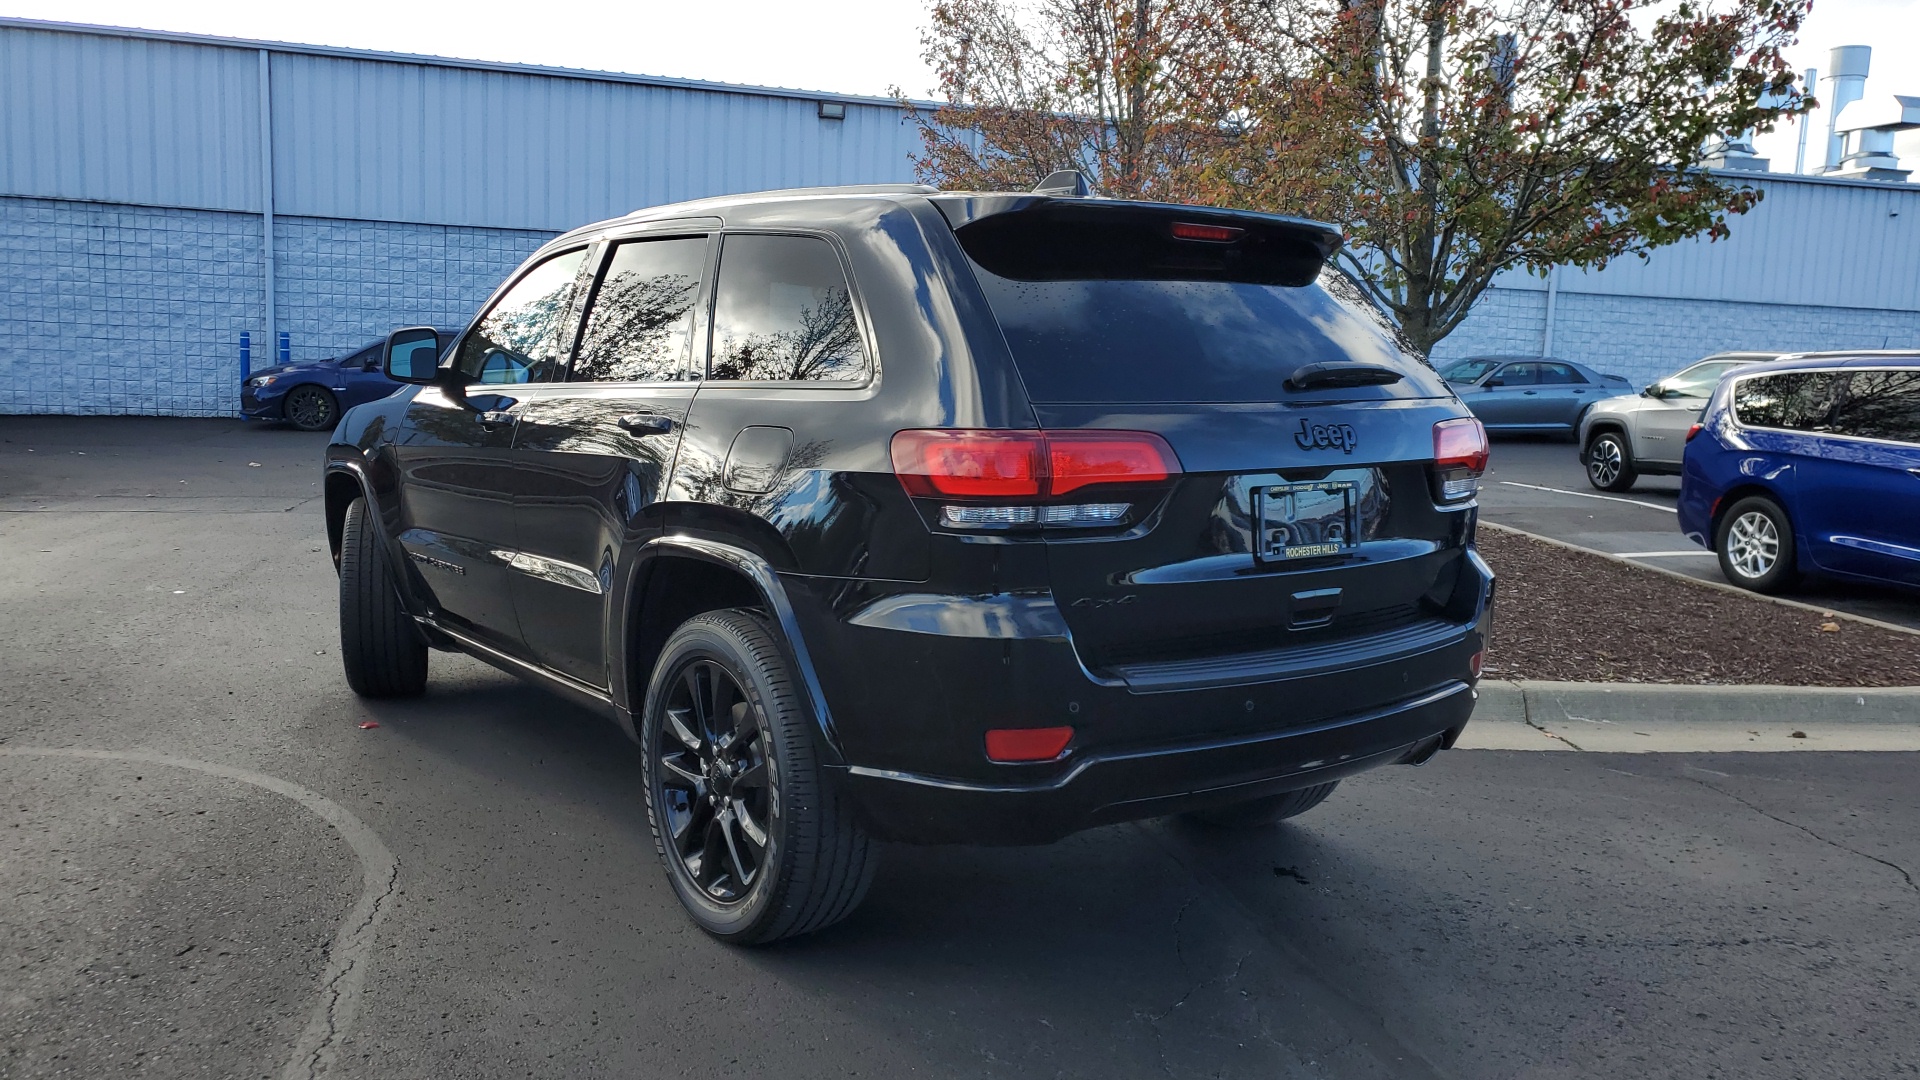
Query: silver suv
(1625, 437)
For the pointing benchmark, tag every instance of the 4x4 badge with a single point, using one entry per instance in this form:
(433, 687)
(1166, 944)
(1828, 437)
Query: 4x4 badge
(1312, 436)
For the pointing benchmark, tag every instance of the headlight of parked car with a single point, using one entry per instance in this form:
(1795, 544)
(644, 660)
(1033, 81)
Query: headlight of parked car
(262, 380)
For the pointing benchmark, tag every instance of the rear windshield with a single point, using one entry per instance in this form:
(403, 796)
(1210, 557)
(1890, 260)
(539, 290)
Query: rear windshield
(1137, 341)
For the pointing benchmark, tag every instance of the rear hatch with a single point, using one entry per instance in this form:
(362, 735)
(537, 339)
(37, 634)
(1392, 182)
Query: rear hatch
(1305, 529)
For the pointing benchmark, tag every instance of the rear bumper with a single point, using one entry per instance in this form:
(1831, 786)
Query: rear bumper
(1101, 789)
(915, 680)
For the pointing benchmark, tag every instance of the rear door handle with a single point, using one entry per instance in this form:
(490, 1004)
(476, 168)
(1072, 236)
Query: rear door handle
(647, 423)
(1914, 472)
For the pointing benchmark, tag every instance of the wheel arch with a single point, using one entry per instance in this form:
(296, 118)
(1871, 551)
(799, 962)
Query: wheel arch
(1593, 428)
(1744, 490)
(680, 577)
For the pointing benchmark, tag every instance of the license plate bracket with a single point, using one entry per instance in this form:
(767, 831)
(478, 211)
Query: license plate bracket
(1316, 519)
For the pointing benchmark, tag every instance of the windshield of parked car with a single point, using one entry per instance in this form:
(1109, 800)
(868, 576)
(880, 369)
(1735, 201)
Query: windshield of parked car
(1697, 381)
(1467, 371)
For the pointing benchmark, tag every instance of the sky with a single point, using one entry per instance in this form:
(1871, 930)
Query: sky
(840, 46)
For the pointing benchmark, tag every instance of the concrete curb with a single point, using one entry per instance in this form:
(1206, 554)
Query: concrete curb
(1538, 703)
(1720, 586)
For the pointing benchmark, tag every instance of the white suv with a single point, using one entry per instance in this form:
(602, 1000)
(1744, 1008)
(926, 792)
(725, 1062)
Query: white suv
(1625, 437)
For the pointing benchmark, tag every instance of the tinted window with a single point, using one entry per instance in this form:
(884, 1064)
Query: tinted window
(520, 338)
(782, 313)
(1520, 375)
(1797, 401)
(1179, 341)
(1881, 405)
(1559, 375)
(368, 355)
(640, 327)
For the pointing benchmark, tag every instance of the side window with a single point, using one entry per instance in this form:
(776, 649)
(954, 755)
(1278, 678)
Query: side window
(782, 313)
(1794, 400)
(640, 327)
(1520, 375)
(1881, 405)
(521, 337)
(1560, 375)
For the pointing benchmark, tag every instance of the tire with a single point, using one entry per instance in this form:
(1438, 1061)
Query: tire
(380, 646)
(1755, 543)
(1610, 462)
(311, 408)
(1258, 813)
(722, 707)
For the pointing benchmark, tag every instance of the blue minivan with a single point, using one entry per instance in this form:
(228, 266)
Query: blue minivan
(1809, 465)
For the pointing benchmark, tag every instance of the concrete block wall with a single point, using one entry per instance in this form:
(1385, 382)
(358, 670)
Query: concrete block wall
(1644, 337)
(113, 309)
(340, 284)
(124, 309)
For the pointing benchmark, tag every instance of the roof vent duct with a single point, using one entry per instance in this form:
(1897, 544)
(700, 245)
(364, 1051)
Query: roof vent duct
(1847, 79)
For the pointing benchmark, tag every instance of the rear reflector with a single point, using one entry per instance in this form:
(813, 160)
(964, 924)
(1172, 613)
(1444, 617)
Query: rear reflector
(1026, 465)
(1193, 230)
(1027, 744)
(1474, 665)
(1695, 430)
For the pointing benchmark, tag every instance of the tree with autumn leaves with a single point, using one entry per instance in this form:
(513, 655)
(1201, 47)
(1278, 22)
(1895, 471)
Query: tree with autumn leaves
(1451, 139)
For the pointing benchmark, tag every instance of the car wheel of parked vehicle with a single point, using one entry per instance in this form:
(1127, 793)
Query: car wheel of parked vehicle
(1610, 463)
(311, 408)
(1259, 812)
(757, 842)
(380, 646)
(1755, 545)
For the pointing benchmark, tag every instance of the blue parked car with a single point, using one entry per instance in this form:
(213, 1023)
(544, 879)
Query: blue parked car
(311, 396)
(1809, 465)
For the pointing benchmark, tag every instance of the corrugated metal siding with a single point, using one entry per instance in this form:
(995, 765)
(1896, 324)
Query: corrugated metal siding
(1808, 242)
(127, 120)
(403, 142)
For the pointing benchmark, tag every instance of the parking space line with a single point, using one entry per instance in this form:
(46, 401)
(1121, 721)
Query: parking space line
(1666, 554)
(1589, 495)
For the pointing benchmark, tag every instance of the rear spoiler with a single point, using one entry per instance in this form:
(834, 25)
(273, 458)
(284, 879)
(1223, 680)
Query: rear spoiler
(1042, 237)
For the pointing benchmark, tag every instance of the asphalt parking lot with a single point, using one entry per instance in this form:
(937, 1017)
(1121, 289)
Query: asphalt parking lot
(1540, 486)
(210, 868)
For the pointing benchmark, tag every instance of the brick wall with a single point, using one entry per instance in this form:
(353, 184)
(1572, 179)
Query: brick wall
(1645, 337)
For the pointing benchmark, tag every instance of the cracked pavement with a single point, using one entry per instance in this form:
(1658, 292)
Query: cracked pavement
(1493, 914)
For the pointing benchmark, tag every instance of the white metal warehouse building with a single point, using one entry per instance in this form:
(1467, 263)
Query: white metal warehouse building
(165, 196)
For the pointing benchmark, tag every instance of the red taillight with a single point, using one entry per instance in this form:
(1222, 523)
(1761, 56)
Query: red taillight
(1695, 430)
(1026, 465)
(1193, 230)
(1027, 744)
(984, 464)
(1460, 444)
(1459, 457)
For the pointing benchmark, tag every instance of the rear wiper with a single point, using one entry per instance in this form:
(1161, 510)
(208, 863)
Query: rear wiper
(1340, 375)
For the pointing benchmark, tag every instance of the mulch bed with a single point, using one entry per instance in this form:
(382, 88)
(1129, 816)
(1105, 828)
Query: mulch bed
(1567, 615)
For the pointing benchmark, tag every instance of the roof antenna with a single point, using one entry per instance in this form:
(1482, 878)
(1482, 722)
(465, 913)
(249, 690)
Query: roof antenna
(1067, 182)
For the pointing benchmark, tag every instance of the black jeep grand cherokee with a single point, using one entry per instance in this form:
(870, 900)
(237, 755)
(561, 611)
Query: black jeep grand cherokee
(893, 514)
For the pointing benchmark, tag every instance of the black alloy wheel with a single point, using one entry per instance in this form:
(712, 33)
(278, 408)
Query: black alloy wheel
(311, 408)
(716, 792)
(756, 837)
